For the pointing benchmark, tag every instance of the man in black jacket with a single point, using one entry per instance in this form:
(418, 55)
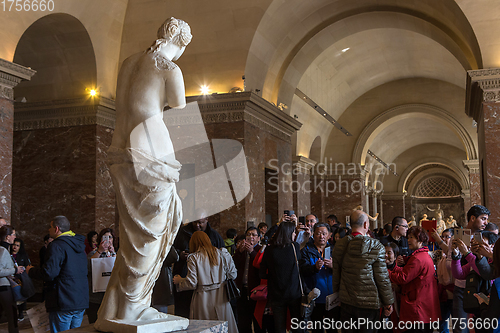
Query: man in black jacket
(182, 299)
(65, 274)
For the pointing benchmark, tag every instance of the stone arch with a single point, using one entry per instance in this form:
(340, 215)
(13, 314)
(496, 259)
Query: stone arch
(390, 116)
(59, 48)
(315, 151)
(415, 169)
(286, 34)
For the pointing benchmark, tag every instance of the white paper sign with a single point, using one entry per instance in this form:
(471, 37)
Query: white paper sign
(39, 318)
(332, 301)
(101, 272)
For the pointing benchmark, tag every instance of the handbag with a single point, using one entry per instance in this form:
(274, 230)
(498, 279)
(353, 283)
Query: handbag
(15, 286)
(232, 290)
(259, 293)
(306, 307)
(27, 286)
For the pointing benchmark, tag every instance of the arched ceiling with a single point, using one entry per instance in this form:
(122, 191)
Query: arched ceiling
(298, 29)
(409, 132)
(335, 78)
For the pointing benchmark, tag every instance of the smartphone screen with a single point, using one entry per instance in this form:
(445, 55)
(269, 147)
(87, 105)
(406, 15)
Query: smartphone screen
(105, 238)
(328, 253)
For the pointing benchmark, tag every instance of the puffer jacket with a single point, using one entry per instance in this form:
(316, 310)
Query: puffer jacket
(6, 267)
(360, 274)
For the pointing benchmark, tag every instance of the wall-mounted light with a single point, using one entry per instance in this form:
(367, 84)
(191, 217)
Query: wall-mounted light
(346, 49)
(204, 90)
(93, 92)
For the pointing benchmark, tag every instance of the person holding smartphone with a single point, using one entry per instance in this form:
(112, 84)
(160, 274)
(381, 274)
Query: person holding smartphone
(316, 268)
(106, 248)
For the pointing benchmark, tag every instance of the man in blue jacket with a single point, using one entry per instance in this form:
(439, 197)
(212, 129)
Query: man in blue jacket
(65, 274)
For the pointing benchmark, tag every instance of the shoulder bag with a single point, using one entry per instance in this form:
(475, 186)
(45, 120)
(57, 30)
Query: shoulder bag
(306, 307)
(232, 290)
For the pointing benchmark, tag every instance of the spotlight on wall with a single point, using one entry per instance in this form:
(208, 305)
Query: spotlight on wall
(92, 92)
(204, 90)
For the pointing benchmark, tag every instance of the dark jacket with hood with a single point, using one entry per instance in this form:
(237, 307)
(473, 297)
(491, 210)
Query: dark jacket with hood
(181, 243)
(65, 274)
(360, 273)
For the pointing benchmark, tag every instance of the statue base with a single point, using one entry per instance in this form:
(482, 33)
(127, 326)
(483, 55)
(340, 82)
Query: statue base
(170, 324)
(195, 326)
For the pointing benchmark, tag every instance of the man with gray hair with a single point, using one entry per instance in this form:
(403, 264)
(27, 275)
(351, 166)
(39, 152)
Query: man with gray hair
(360, 276)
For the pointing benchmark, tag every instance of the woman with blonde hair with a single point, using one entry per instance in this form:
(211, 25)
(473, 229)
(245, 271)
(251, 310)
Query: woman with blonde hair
(208, 268)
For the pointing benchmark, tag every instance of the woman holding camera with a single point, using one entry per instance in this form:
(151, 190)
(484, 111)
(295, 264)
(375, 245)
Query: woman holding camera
(104, 250)
(105, 239)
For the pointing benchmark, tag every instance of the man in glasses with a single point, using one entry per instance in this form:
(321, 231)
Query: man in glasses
(398, 237)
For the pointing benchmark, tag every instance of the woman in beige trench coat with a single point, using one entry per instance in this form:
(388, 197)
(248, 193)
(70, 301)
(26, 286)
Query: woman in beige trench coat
(207, 268)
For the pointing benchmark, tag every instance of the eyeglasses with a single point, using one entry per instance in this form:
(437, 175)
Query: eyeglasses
(252, 235)
(403, 225)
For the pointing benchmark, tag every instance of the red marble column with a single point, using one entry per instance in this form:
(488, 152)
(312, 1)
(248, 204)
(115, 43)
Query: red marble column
(473, 195)
(483, 105)
(301, 185)
(11, 74)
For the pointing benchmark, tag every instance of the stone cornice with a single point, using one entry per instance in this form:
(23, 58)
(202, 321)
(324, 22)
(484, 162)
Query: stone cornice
(471, 165)
(303, 164)
(64, 113)
(249, 107)
(219, 108)
(483, 85)
(10, 76)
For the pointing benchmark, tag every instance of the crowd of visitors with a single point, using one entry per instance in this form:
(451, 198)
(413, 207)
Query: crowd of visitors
(299, 275)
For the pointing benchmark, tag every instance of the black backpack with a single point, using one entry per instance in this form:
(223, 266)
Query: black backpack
(474, 283)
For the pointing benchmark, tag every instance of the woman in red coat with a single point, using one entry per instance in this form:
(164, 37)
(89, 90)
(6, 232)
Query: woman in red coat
(419, 291)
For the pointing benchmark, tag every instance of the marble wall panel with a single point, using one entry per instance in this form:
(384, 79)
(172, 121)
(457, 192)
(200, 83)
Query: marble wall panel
(6, 139)
(475, 189)
(54, 173)
(491, 159)
(340, 196)
(301, 189)
(392, 208)
(105, 201)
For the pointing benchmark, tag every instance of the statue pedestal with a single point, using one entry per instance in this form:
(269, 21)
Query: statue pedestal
(195, 326)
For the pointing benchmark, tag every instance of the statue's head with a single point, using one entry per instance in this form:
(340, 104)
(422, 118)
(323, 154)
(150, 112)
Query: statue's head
(175, 31)
(172, 31)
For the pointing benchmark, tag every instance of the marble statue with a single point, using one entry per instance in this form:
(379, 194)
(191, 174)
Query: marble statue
(144, 171)
(451, 222)
(438, 211)
(371, 218)
(424, 218)
(412, 222)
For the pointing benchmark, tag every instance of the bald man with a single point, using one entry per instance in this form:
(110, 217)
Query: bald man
(2, 222)
(359, 265)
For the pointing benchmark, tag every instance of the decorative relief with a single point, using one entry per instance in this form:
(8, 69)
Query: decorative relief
(47, 114)
(488, 81)
(6, 92)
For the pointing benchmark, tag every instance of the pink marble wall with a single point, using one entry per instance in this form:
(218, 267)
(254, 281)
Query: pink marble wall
(60, 171)
(489, 131)
(393, 208)
(301, 189)
(335, 195)
(6, 127)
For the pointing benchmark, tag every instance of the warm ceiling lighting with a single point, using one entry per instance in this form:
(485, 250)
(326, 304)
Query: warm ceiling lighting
(346, 49)
(204, 90)
(92, 92)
